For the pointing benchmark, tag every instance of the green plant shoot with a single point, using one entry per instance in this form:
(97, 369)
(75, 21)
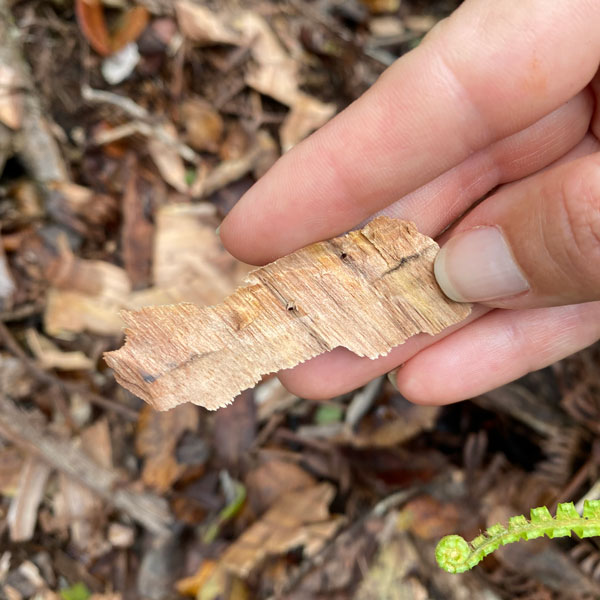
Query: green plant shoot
(456, 555)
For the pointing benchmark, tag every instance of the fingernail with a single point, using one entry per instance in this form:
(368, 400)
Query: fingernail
(392, 378)
(477, 266)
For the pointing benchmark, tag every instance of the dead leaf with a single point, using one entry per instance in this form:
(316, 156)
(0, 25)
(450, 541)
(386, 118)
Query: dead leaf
(418, 23)
(203, 26)
(130, 27)
(299, 518)
(90, 16)
(190, 263)
(23, 510)
(11, 100)
(276, 74)
(390, 427)
(121, 536)
(271, 398)
(236, 142)
(87, 295)
(15, 380)
(137, 231)
(80, 208)
(156, 439)
(168, 160)
(430, 519)
(262, 152)
(268, 482)
(393, 573)
(382, 276)
(382, 6)
(190, 586)
(73, 312)
(78, 507)
(52, 357)
(11, 465)
(213, 582)
(386, 27)
(306, 115)
(203, 124)
(234, 431)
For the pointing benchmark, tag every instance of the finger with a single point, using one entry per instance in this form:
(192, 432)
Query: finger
(485, 74)
(341, 371)
(500, 347)
(444, 199)
(535, 243)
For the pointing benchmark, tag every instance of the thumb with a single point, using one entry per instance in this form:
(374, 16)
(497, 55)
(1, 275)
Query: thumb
(534, 243)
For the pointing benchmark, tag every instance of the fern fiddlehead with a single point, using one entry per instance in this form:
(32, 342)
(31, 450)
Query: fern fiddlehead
(456, 555)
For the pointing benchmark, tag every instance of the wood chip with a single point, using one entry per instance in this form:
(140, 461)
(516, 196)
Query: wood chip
(367, 291)
(23, 510)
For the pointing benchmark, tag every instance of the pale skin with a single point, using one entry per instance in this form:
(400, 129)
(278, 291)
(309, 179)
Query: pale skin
(501, 98)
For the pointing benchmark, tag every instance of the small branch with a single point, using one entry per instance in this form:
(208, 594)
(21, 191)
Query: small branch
(50, 379)
(147, 509)
(34, 142)
(141, 125)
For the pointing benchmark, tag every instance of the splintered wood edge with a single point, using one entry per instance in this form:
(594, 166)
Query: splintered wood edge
(368, 291)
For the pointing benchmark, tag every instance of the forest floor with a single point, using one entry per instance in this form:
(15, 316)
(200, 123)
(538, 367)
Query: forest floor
(128, 130)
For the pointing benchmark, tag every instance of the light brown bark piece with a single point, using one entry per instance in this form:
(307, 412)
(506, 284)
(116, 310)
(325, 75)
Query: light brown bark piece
(367, 291)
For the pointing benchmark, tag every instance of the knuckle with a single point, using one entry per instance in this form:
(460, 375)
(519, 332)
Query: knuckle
(580, 205)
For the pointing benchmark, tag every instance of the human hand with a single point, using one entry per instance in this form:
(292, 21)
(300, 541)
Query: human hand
(500, 94)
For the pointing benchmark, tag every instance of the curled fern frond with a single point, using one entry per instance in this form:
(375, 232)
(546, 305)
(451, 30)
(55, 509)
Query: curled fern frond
(456, 555)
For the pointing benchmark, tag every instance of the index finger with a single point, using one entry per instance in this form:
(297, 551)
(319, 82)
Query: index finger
(488, 71)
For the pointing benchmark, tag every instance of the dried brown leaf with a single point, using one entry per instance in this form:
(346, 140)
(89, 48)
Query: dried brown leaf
(375, 289)
(81, 209)
(87, 295)
(156, 439)
(203, 124)
(130, 27)
(203, 26)
(23, 510)
(90, 16)
(78, 507)
(15, 380)
(52, 357)
(306, 115)
(168, 160)
(190, 263)
(234, 431)
(136, 233)
(382, 6)
(299, 518)
(268, 482)
(11, 465)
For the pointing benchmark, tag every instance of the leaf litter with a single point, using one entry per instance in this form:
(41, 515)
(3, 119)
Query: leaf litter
(110, 194)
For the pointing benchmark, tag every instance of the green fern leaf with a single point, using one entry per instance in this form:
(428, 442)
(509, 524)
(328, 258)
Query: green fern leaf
(456, 555)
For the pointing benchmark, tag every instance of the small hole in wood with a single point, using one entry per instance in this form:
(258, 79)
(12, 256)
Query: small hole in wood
(343, 255)
(290, 308)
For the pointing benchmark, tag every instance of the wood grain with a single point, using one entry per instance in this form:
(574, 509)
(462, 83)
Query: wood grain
(367, 291)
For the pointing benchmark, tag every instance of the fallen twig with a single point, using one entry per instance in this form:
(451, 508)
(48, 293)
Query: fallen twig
(51, 379)
(147, 509)
(33, 141)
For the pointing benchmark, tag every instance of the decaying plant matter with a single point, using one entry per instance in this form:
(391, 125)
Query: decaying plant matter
(367, 291)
